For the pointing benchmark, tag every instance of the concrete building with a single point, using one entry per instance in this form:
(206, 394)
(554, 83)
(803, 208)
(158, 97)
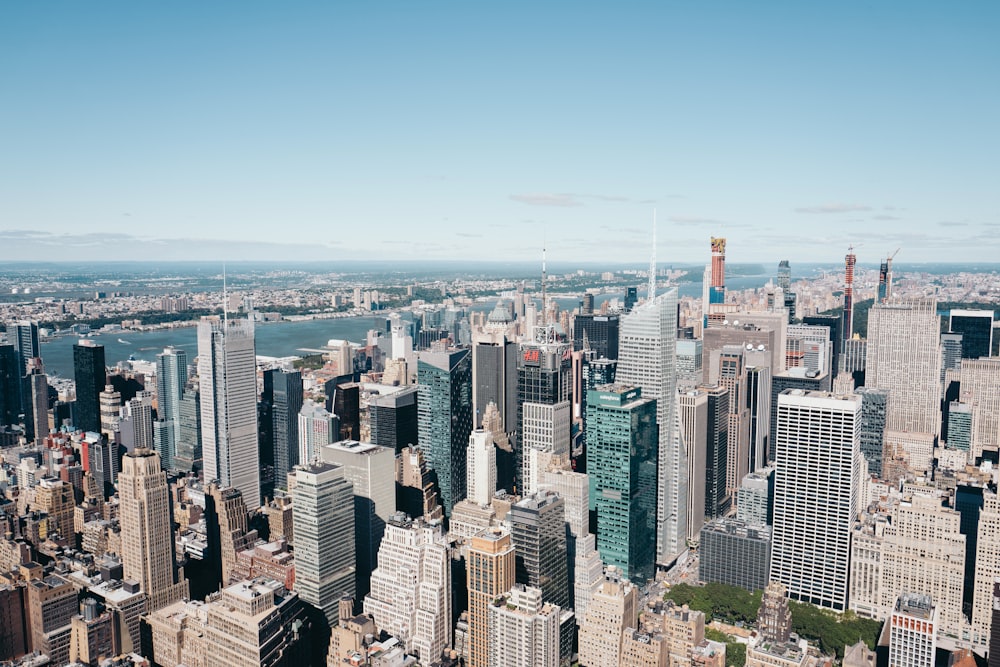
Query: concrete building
(545, 432)
(913, 631)
(317, 429)
(227, 372)
(818, 475)
(735, 553)
(611, 611)
(393, 418)
(411, 589)
(693, 406)
(980, 387)
(490, 573)
(538, 531)
(523, 629)
(481, 467)
(147, 535)
(50, 604)
(323, 520)
(774, 619)
(755, 498)
(91, 637)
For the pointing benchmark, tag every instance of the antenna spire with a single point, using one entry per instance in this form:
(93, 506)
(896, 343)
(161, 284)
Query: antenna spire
(543, 284)
(651, 289)
(225, 299)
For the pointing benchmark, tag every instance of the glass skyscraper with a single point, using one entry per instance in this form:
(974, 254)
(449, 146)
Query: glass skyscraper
(171, 376)
(90, 374)
(444, 417)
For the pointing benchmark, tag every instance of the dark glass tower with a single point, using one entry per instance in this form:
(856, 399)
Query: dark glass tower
(393, 419)
(717, 455)
(90, 374)
(444, 417)
(976, 327)
(872, 426)
(26, 343)
(283, 396)
(544, 375)
(10, 386)
(538, 530)
(601, 331)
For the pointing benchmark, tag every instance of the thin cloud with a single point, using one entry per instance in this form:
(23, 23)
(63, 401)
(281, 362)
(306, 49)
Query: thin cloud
(953, 223)
(885, 217)
(833, 208)
(469, 236)
(693, 220)
(548, 199)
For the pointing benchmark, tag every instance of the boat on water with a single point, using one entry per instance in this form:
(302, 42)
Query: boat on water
(123, 341)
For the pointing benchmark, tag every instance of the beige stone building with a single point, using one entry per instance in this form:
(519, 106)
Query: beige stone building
(612, 609)
(490, 563)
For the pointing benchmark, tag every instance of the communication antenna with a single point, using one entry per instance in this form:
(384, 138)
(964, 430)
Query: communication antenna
(651, 289)
(543, 284)
(225, 299)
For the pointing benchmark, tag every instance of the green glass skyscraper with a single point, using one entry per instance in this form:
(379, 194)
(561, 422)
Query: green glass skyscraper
(621, 461)
(444, 417)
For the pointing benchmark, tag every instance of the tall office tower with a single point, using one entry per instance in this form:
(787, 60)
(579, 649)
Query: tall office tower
(849, 261)
(317, 429)
(10, 386)
(171, 378)
(693, 406)
(38, 389)
(689, 360)
(538, 530)
(55, 498)
(344, 400)
(103, 456)
(717, 501)
(611, 610)
(976, 327)
(600, 331)
(490, 565)
(147, 529)
(960, 426)
(621, 464)
(91, 636)
(588, 372)
(524, 629)
(763, 339)
(416, 485)
(732, 376)
(188, 453)
(410, 594)
(884, 291)
(793, 378)
(25, 340)
(980, 383)
(809, 345)
(494, 369)
(818, 476)
(50, 604)
(755, 498)
(873, 403)
(994, 640)
(545, 430)
(110, 402)
(228, 530)
(481, 461)
(836, 324)
(913, 631)
(951, 353)
(987, 556)
(544, 377)
(227, 372)
(774, 620)
(371, 470)
(784, 275)
(444, 413)
(90, 374)
(968, 502)
(136, 425)
(323, 522)
(715, 285)
(283, 393)
(904, 357)
(648, 360)
(393, 419)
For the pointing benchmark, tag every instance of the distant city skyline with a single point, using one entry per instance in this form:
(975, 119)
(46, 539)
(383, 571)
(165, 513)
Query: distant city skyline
(338, 131)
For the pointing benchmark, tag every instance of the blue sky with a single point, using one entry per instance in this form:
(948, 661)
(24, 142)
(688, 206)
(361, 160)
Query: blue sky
(475, 130)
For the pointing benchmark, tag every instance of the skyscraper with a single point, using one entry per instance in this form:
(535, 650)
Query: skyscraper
(648, 360)
(26, 343)
(283, 395)
(147, 529)
(980, 385)
(817, 490)
(849, 261)
(393, 418)
(872, 427)
(601, 331)
(538, 530)
(913, 631)
(171, 378)
(227, 372)
(976, 327)
(38, 389)
(90, 374)
(693, 406)
(621, 464)
(481, 461)
(490, 567)
(323, 522)
(444, 410)
(494, 371)
(524, 629)
(188, 453)
(904, 358)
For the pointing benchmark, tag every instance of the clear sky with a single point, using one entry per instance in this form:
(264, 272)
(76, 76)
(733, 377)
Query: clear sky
(227, 130)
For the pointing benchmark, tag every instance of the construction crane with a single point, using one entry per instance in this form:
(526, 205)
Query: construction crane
(885, 277)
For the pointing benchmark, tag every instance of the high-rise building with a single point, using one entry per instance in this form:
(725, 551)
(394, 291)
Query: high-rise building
(621, 465)
(774, 620)
(228, 531)
(849, 261)
(393, 419)
(960, 426)
(538, 530)
(976, 327)
(693, 406)
(904, 358)
(793, 378)
(717, 501)
(980, 387)
(913, 631)
(544, 377)
(490, 573)
(648, 360)
(50, 604)
(545, 431)
(817, 475)
(38, 389)
(411, 589)
(524, 629)
(689, 361)
(188, 453)
(714, 289)
(601, 332)
(25, 340)
(10, 386)
(755, 498)
(444, 412)
(873, 402)
(90, 374)
(494, 370)
(227, 371)
(147, 532)
(136, 424)
(987, 555)
(323, 521)
(317, 429)
(92, 634)
(735, 553)
(171, 378)
(481, 461)
(371, 471)
(283, 395)
(111, 410)
(612, 609)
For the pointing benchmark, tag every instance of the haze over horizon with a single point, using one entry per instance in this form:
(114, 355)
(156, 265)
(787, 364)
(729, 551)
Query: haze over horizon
(453, 131)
